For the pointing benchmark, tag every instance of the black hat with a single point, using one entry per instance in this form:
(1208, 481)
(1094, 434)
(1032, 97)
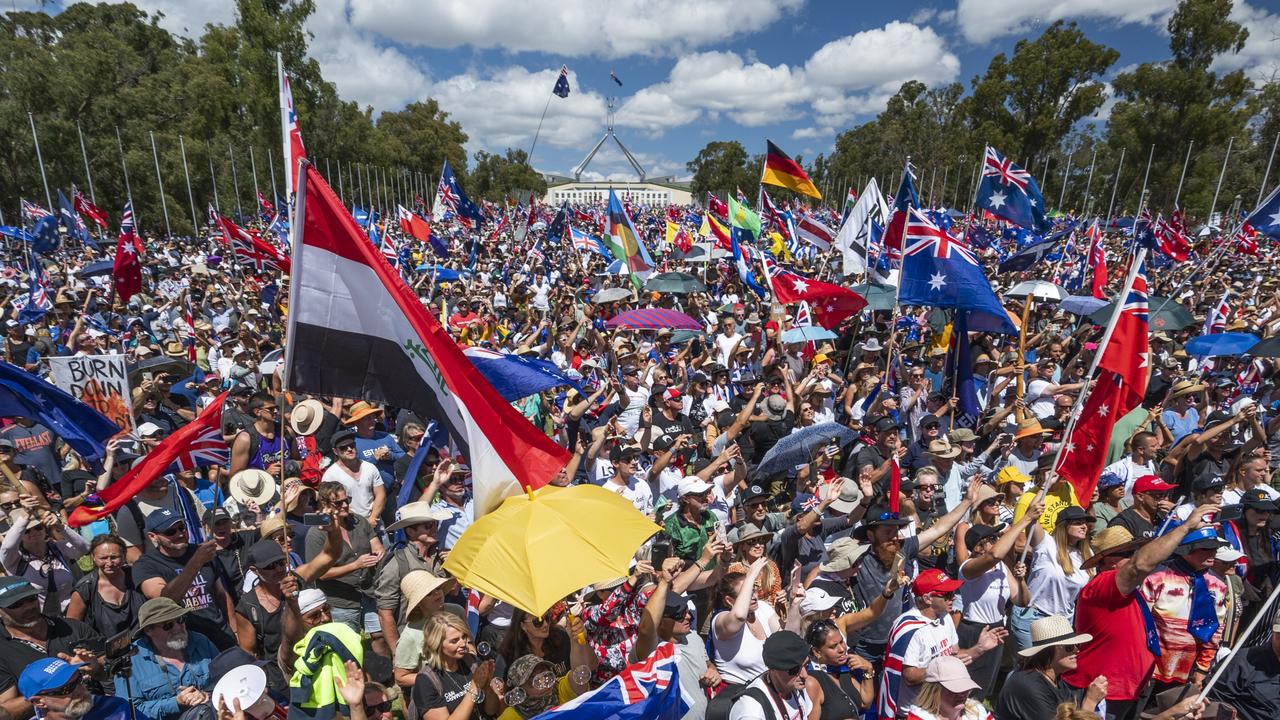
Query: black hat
(876, 517)
(232, 658)
(1208, 479)
(977, 534)
(623, 452)
(930, 420)
(1072, 513)
(161, 520)
(1257, 499)
(264, 552)
(342, 435)
(884, 423)
(216, 514)
(753, 493)
(676, 602)
(785, 650)
(748, 378)
(14, 590)
(663, 443)
(630, 370)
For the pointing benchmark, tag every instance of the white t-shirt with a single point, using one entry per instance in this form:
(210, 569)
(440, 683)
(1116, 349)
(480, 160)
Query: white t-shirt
(1232, 497)
(636, 492)
(1040, 403)
(721, 504)
(629, 419)
(1053, 591)
(360, 490)
(1129, 471)
(796, 705)
(935, 638)
(986, 596)
(724, 346)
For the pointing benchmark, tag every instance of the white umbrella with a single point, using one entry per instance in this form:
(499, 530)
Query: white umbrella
(610, 295)
(1039, 289)
(699, 254)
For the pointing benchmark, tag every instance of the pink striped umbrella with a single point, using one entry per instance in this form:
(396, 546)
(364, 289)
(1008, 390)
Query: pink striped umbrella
(654, 319)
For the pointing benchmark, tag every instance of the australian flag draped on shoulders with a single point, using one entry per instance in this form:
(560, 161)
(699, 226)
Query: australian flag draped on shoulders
(648, 690)
(1009, 192)
(940, 271)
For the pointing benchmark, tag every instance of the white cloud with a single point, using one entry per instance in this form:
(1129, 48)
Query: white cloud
(186, 18)
(572, 28)
(984, 20)
(1261, 54)
(364, 69)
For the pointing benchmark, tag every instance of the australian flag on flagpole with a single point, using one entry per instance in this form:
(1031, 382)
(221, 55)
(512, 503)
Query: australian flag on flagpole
(562, 83)
(1010, 192)
(960, 367)
(648, 690)
(1266, 217)
(939, 271)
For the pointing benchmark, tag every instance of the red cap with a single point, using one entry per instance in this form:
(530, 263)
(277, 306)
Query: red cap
(1151, 483)
(934, 581)
(672, 394)
(739, 306)
(771, 325)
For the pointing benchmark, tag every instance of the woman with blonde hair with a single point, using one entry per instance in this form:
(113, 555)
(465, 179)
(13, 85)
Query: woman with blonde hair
(424, 597)
(1057, 572)
(985, 512)
(944, 695)
(454, 684)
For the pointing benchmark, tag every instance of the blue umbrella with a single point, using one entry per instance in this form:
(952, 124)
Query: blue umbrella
(1221, 344)
(102, 267)
(797, 448)
(810, 333)
(1081, 304)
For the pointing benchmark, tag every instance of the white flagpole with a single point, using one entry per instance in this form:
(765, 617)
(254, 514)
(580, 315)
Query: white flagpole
(89, 176)
(40, 160)
(186, 173)
(284, 130)
(164, 204)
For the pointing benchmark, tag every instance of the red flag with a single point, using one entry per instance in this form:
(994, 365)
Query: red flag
(89, 210)
(1097, 261)
(1119, 387)
(895, 484)
(720, 232)
(413, 226)
(187, 447)
(829, 304)
(266, 205)
(717, 206)
(126, 271)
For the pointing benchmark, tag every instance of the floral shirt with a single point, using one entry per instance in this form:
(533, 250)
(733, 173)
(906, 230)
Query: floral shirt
(1168, 594)
(612, 627)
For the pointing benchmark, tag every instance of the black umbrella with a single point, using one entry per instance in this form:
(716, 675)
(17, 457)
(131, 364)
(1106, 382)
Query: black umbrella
(159, 365)
(102, 267)
(1268, 347)
(675, 282)
(1165, 314)
(879, 297)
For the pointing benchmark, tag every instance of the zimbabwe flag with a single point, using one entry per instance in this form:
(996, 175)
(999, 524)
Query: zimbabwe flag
(781, 170)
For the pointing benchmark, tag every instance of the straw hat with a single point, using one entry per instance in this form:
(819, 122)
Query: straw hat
(253, 485)
(1050, 631)
(942, 448)
(417, 512)
(416, 585)
(272, 525)
(1185, 387)
(1029, 427)
(985, 493)
(306, 417)
(359, 411)
(175, 349)
(1110, 541)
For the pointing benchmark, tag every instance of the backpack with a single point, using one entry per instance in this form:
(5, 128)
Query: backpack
(719, 707)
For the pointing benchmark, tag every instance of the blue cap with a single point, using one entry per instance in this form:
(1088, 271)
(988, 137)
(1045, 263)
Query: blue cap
(1109, 480)
(14, 590)
(44, 675)
(1198, 539)
(162, 519)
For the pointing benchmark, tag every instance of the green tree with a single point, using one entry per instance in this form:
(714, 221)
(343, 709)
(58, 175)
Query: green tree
(721, 167)
(1026, 104)
(1179, 103)
(497, 177)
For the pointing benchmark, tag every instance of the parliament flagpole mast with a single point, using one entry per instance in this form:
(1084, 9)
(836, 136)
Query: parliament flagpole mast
(40, 160)
(1267, 174)
(1177, 195)
(186, 173)
(89, 176)
(164, 204)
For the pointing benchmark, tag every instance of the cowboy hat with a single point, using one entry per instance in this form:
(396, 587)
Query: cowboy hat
(253, 485)
(1185, 387)
(1053, 630)
(747, 531)
(1029, 427)
(359, 411)
(306, 417)
(942, 448)
(175, 349)
(415, 513)
(1110, 541)
(416, 585)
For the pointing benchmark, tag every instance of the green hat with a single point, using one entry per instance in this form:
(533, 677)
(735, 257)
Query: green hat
(159, 610)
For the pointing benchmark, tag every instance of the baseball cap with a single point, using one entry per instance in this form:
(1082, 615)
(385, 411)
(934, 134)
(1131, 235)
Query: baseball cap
(147, 429)
(672, 394)
(161, 520)
(1257, 499)
(816, 600)
(753, 493)
(693, 485)
(1151, 483)
(1227, 554)
(265, 552)
(934, 581)
(950, 672)
(215, 515)
(14, 590)
(46, 674)
(1109, 480)
(159, 610)
(977, 534)
(885, 424)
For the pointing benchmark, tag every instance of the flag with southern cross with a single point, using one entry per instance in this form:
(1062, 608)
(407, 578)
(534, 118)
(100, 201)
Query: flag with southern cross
(939, 271)
(1009, 192)
(1266, 217)
(70, 219)
(561, 88)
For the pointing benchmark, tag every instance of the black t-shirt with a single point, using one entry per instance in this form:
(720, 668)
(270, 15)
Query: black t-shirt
(1027, 695)
(680, 426)
(64, 635)
(234, 559)
(450, 693)
(766, 433)
(233, 421)
(840, 589)
(200, 597)
(1137, 525)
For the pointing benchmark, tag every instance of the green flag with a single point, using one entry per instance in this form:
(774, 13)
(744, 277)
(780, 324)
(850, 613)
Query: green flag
(741, 216)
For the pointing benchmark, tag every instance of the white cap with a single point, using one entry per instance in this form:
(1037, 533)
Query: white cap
(147, 429)
(692, 484)
(1227, 554)
(816, 600)
(310, 599)
(95, 333)
(719, 405)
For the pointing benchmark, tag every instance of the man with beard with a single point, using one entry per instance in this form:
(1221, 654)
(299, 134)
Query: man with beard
(181, 572)
(28, 636)
(57, 691)
(455, 499)
(171, 665)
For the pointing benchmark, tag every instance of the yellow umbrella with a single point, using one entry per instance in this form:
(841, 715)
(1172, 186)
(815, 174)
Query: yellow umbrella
(536, 549)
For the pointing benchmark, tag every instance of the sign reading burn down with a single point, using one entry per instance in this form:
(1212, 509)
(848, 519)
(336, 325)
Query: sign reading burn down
(99, 381)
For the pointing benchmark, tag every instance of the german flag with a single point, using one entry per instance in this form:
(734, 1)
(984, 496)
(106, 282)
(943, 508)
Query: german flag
(781, 170)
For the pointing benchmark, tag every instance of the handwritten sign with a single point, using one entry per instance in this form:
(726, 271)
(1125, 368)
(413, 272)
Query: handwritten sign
(99, 381)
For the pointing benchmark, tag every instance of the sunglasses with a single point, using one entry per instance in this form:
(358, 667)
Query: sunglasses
(8, 506)
(946, 595)
(380, 708)
(340, 503)
(795, 670)
(345, 447)
(677, 614)
(176, 529)
(538, 621)
(277, 565)
(173, 623)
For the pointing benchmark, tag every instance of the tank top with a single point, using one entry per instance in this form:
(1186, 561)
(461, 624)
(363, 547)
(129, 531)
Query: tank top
(740, 658)
(267, 626)
(837, 700)
(101, 615)
(269, 451)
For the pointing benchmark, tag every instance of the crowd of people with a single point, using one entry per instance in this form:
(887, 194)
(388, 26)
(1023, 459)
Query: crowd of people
(907, 565)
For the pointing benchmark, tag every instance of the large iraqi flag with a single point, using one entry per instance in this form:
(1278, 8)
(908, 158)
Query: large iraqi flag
(357, 330)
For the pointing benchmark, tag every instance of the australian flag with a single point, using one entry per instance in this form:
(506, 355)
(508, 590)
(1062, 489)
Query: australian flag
(450, 193)
(906, 199)
(960, 366)
(1266, 218)
(1010, 192)
(562, 83)
(649, 689)
(939, 271)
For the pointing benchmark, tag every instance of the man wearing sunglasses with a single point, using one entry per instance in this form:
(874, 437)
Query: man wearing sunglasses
(28, 636)
(56, 689)
(171, 666)
(185, 573)
(779, 692)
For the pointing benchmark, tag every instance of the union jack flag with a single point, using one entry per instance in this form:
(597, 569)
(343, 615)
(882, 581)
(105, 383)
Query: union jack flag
(84, 207)
(1004, 169)
(32, 211)
(900, 634)
(205, 449)
(126, 218)
(1216, 320)
(647, 689)
(389, 250)
(925, 237)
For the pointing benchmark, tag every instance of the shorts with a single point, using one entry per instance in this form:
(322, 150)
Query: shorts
(362, 619)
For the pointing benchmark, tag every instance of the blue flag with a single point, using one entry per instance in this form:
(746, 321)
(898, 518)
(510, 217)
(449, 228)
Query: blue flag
(80, 426)
(1028, 257)
(960, 363)
(45, 237)
(450, 192)
(742, 260)
(1010, 192)
(647, 690)
(71, 221)
(561, 88)
(516, 376)
(1266, 218)
(939, 271)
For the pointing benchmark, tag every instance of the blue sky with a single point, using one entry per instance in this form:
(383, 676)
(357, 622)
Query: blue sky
(795, 71)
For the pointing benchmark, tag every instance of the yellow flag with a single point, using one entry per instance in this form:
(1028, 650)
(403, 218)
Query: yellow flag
(672, 230)
(1058, 497)
(705, 230)
(943, 339)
